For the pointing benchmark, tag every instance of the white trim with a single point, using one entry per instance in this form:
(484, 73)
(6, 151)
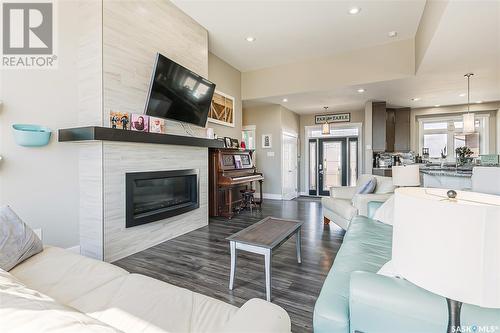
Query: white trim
(271, 196)
(295, 136)
(74, 249)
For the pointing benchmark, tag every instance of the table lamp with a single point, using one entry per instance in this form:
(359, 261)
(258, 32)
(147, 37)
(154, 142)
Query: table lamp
(450, 246)
(406, 175)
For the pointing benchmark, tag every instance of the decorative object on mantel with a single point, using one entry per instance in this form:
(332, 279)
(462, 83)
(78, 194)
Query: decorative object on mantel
(267, 141)
(119, 120)
(156, 125)
(468, 118)
(222, 109)
(210, 133)
(227, 142)
(235, 143)
(27, 135)
(463, 155)
(140, 123)
(458, 258)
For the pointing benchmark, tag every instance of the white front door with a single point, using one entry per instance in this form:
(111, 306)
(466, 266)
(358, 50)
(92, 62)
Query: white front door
(289, 166)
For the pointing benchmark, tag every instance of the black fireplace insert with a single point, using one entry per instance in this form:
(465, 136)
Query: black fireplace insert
(156, 195)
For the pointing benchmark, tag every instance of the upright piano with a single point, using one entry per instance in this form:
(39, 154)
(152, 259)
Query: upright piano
(230, 170)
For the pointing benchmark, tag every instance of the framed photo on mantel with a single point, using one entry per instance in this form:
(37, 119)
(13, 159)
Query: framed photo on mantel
(332, 118)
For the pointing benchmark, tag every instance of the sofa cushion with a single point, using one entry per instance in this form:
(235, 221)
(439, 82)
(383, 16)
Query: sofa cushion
(64, 275)
(341, 207)
(367, 187)
(17, 241)
(137, 303)
(26, 310)
(385, 213)
(384, 185)
(366, 247)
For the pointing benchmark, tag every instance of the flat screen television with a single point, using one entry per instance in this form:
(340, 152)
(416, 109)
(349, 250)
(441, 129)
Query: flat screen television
(177, 93)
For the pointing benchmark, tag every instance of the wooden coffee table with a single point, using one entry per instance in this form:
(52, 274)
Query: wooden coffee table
(262, 238)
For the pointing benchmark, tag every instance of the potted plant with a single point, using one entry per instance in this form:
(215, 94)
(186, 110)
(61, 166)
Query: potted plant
(463, 155)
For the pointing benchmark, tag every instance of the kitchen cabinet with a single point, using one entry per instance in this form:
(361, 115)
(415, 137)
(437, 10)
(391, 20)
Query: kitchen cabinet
(402, 130)
(391, 128)
(378, 126)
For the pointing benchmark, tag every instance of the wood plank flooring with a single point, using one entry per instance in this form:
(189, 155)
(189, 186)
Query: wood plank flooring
(200, 260)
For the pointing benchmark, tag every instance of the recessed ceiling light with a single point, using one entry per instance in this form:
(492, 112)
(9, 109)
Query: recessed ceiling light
(361, 90)
(437, 105)
(415, 99)
(462, 95)
(392, 34)
(354, 10)
(285, 100)
(251, 39)
(479, 102)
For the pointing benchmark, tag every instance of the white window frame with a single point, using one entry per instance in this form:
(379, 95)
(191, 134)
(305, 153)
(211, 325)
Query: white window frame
(451, 131)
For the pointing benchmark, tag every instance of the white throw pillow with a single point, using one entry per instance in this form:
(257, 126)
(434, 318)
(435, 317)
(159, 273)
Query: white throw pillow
(385, 213)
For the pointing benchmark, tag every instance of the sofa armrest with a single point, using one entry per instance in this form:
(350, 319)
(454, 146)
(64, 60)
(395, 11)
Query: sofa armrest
(257, 315)
(381, 304)
(360, 201)
(342, 192)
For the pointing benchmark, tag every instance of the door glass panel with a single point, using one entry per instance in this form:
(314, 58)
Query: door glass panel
(312, 166)
(332, 164)
(353, 163)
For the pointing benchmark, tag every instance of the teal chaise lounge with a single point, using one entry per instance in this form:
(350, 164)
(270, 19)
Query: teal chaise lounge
(356, 299)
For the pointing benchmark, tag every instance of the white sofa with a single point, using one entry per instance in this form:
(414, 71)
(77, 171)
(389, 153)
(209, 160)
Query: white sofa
(343, 203)
(59, 291)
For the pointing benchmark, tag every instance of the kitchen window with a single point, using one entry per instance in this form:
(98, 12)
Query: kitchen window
(436, 134)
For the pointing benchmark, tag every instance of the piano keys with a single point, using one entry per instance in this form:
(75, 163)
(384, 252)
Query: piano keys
(230, 170)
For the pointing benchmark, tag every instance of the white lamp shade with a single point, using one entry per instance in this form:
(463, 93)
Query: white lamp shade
(408, 175)
(469, 123)
(451, 248)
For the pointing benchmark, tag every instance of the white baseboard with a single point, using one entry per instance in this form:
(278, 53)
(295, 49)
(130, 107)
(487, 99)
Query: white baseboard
(304, 193)
(271, 196)
(74, 249)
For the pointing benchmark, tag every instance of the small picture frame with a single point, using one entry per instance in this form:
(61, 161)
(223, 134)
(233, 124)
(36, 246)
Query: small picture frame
(156, 125)
(267, 141)
(140, 123)
(227, 142)
(119, 120)
(235, 143)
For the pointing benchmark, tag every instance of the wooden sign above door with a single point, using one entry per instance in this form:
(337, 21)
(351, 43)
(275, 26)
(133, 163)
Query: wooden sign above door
(332, 118)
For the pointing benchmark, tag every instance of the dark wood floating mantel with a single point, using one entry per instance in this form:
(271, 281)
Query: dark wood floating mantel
(90, 133)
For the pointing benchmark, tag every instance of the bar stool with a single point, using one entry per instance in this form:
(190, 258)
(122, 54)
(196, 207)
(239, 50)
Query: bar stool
(247, 199)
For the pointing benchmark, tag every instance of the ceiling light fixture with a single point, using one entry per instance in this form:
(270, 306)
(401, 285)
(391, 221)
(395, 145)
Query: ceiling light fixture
(285, 100)
(361, 90)
(250, 39)
(354, 10)
(462, 95)
(479, 102)
(437, 105)
(392, 34)
(415, 99)
(325, 129)
(468, 118)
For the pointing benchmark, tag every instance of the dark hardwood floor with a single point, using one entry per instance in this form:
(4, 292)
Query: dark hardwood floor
(199, 260)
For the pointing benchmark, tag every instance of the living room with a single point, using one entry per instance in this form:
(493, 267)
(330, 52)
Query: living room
(284, 180)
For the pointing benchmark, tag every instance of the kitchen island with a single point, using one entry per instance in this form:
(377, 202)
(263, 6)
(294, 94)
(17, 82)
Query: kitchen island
(452, 178)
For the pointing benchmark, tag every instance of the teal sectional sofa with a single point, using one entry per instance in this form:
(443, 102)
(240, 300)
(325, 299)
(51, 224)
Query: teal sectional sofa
(356, 299)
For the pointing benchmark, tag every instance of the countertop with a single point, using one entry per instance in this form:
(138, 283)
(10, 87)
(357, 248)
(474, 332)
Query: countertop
(446, 171)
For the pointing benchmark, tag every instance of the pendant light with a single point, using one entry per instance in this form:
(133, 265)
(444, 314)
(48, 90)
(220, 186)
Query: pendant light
(326, 126)
(468, 118)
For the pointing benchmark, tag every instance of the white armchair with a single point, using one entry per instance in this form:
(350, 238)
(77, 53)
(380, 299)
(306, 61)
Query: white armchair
(343, 203)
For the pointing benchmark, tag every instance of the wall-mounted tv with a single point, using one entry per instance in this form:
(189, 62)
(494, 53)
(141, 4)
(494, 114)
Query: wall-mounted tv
(177, 93)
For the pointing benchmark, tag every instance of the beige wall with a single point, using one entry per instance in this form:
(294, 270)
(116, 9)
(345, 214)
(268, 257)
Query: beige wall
(41, 184)
(270, 119)
(380, 63)
(491, 108)
(308, 120)
(228, 81)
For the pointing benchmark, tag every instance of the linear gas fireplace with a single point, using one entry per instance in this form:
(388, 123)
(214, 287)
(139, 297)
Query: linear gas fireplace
(153, 196)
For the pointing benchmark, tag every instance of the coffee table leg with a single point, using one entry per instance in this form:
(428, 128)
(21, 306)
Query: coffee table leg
(298, 241)
(267, 259)
(232, 245)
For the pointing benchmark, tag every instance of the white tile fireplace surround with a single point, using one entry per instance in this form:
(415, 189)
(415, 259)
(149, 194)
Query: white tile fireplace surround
(103, 166)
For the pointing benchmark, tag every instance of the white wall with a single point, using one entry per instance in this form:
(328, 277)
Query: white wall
(41, 184)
